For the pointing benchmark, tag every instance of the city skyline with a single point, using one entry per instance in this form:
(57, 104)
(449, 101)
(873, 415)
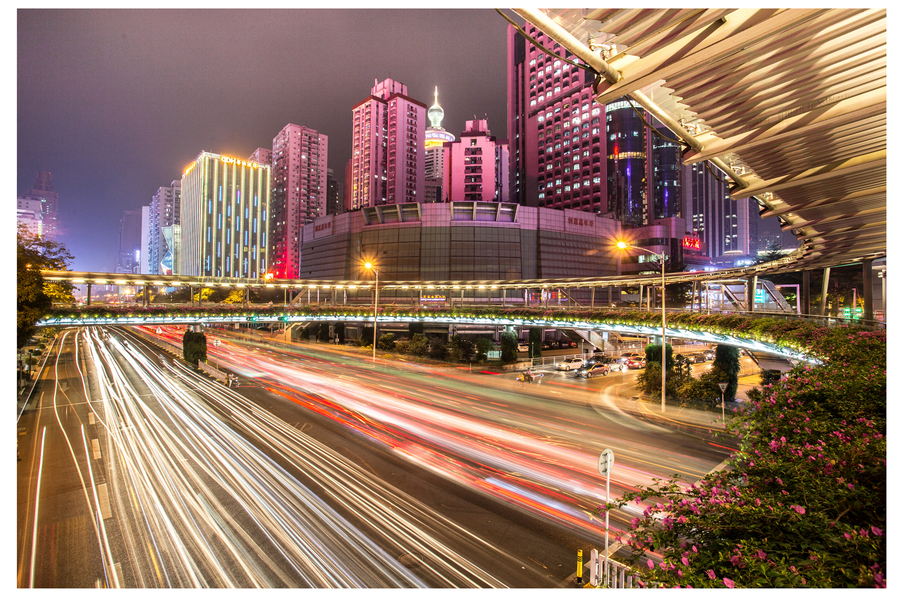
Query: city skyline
(117, 103)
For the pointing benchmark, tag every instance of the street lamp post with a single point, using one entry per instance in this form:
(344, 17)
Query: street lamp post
(369, 266)
(662, 261)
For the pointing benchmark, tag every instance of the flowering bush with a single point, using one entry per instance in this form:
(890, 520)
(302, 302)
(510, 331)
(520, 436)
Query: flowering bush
(803, 503)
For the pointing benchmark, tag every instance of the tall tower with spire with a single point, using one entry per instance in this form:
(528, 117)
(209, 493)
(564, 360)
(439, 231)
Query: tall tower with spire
(435, 137)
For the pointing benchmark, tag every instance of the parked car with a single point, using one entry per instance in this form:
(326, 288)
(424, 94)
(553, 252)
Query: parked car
(570, 363)
(710, 354)
(523, 346)
(635, 364)
(695, 357)
(589, 371)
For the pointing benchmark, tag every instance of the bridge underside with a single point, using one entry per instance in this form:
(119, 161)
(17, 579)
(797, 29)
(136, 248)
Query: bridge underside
(748, 344)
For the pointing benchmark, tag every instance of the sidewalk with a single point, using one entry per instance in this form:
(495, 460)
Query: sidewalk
(698, 418)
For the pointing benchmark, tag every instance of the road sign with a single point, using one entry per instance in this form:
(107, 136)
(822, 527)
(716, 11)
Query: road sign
(606, 462)
(216, 342)
(159, 330)
(723, 386)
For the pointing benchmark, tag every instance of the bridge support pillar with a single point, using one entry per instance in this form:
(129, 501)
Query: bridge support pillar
(592, 296)
(88, 293)
(609, 296)
(504, 296)
(883, 276)
(146, 301)
(868, 312)
(804, 294)
(824, 296)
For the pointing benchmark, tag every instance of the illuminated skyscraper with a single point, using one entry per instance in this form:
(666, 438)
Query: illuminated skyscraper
(387, 163)
(299, 187)
(435, 137)
(557, 138)
(224, 217)
(165, 210)
(38, 208)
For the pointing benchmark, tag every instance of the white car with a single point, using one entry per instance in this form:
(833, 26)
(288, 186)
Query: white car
(570, 363)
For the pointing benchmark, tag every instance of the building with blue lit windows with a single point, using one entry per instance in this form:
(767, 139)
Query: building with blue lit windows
(224, 217)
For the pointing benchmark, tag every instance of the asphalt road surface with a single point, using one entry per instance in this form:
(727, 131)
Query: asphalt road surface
(323, 469)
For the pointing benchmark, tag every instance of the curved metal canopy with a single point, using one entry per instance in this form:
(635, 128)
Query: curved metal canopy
(790, 103)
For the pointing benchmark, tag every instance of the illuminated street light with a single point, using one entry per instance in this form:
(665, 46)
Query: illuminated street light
(662, 261)
(370, 266)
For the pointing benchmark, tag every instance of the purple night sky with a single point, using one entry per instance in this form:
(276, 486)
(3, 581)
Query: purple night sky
(115, 103)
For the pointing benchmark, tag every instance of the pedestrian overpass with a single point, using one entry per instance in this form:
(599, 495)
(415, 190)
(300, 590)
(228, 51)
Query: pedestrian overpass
(579, 320)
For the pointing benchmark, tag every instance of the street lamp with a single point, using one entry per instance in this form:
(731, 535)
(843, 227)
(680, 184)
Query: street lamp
(662, 261)
(370, 266)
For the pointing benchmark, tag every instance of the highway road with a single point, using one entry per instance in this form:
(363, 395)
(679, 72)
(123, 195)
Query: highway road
(323, 469)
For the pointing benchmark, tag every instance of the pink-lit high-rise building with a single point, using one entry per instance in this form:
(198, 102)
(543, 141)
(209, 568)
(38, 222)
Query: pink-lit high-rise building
(476, 166)
(557, 133)
(387, 164)
(299, 186)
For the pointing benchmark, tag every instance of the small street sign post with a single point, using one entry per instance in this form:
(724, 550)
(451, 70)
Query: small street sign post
(605, 466)
(723, 386)
(216, 343)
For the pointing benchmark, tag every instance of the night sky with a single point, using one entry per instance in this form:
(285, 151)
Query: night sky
(116, 103)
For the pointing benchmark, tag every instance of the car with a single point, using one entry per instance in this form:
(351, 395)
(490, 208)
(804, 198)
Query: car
(589, 371)
(710, 354)
(635, 364)
(626, 356)
(570, 363)
(695, 357)
(523, 346)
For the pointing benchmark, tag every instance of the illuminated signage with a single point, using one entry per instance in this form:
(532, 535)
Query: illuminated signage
(237, 162)
(433, 298)
(190, 168)
(690, 243)
(581, 221)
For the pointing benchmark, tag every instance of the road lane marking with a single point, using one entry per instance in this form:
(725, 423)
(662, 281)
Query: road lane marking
(95, 445)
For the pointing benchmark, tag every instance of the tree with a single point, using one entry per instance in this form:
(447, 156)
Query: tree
(193, 347)
(728, 365)
(509, 347)
(482, 347)
(534, 342)
(461, 349)
(34, 296)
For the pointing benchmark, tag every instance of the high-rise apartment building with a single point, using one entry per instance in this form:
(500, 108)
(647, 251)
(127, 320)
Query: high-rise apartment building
(165, 211)
(334, 202)
(476, 167)
(387, 160)
(299, 189)
(557, 141)
(145, 240)
(128, 259)
(435, 138)
(39, 207)
(224, 217)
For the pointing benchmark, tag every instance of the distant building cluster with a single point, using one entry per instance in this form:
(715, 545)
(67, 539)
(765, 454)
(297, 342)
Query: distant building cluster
(572, 176)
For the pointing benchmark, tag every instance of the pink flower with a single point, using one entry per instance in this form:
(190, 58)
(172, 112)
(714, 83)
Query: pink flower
(728, 583)
(649, 564)
(762, 555)
(684, 560)
(711, 573)
(799, 509)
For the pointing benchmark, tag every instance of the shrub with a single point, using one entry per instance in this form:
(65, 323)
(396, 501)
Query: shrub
(386, 341)
(509, 347)
(437, 349)
(418, 345)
